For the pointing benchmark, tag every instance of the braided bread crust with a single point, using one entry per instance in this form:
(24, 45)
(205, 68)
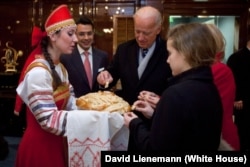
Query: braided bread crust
(103, 101)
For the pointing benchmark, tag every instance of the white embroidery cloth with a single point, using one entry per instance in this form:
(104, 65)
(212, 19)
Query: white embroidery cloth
(90, 132)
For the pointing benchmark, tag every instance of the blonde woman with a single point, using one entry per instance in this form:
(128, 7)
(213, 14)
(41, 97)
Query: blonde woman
(225, 83)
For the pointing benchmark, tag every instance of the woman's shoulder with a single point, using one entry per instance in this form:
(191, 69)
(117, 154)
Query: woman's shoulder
(39, 68)
(38, 63)
(221, 70)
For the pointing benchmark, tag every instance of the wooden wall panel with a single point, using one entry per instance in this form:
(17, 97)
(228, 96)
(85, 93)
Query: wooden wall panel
(123, 30)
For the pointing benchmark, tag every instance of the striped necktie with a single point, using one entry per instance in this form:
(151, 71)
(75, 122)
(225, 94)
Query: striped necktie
(144, 52)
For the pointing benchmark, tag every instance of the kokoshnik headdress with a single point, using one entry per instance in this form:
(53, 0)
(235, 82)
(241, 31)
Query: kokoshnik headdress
(60, 18)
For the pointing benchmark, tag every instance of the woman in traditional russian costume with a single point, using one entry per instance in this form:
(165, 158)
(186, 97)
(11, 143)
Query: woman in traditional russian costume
(46, 91)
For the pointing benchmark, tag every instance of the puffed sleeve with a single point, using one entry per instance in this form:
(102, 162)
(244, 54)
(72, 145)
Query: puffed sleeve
(37, 92)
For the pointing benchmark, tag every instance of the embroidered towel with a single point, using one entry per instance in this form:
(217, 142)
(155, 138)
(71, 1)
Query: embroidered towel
(90, 132)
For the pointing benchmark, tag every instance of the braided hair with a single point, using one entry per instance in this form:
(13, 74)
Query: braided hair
(56, 79)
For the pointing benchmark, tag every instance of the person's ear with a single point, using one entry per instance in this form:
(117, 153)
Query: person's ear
(53, 37)
(158, 30)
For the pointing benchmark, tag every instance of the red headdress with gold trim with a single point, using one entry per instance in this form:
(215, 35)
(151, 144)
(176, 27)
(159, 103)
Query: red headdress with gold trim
(60, 18)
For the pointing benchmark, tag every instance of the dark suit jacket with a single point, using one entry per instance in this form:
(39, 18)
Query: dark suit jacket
(124, 67)
(239, 62)
(77, 75)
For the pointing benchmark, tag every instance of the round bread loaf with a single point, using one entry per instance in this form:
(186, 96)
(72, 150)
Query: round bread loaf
(103, 101)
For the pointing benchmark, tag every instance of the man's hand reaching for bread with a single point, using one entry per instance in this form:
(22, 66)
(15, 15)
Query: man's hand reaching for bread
(104, 78)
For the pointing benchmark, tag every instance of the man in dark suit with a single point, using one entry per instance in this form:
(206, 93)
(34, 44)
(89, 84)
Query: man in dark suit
(75, 63)
(140, 64)
(239, 62)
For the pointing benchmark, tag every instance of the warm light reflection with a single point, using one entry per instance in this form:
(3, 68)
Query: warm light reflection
(107, 8)
(108, 30)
